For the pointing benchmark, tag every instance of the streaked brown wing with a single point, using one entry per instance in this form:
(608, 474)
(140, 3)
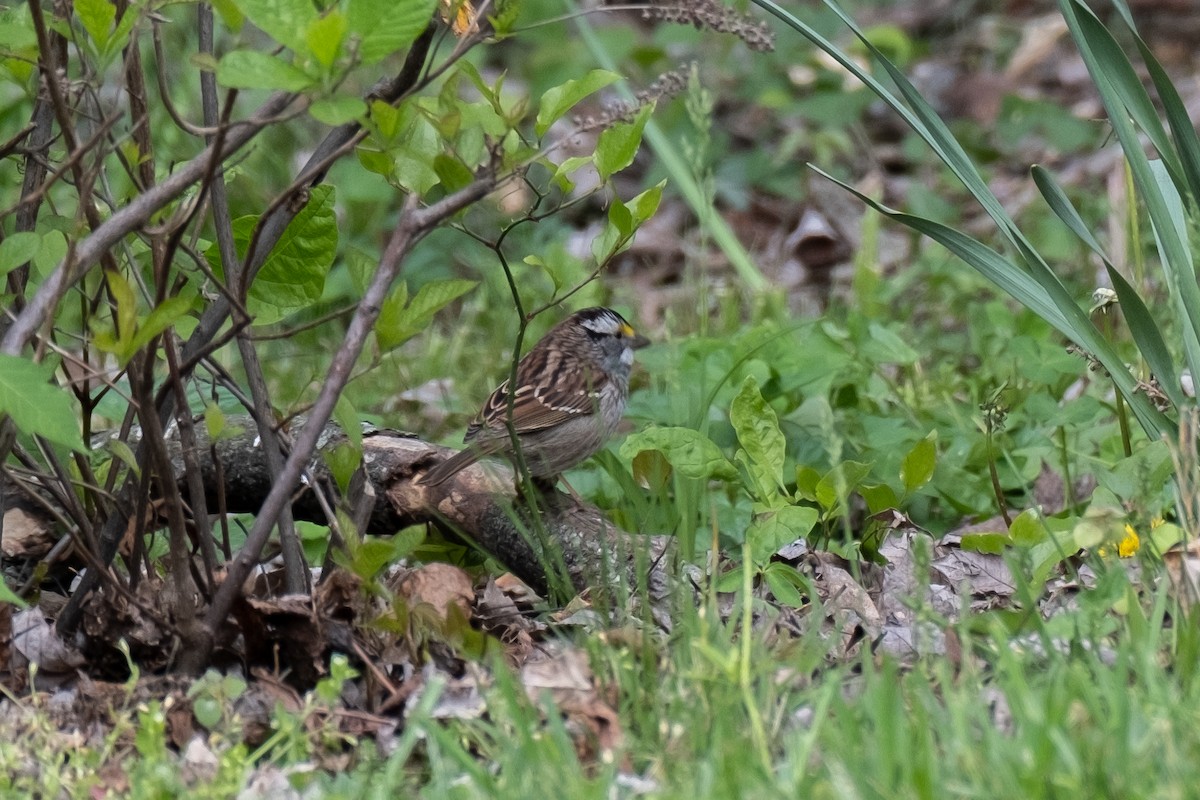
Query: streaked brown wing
(533, 411)
(541, 408)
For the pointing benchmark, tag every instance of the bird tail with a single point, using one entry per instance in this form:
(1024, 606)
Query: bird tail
(450, 467)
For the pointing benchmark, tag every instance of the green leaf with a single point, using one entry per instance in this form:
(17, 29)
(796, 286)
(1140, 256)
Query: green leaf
(570, 165)
(782, 580)
(35, 405)
(122, 293)
(18, 249)
(730, 581)
(807, 480)
(250, 69)
(334, 111)
(619, 144)
(285, 21)
(348, 420)
(406, 540)
(371, 556)
(774, 529)
(621, 219)
(452, 172)
(885, 346)
(231, 15)
(558, 100)
(124, 453)
(992, 542)
(1166, 536)
(839, 482)
(52, 252)
(342, 459)
(217, 425)
(7, 595)
(324, 37)
(387, 26)
(207, 710)
(879, 497)
(643, 206)
(164, 315)
(1028, 529)
(419, 146)
(917, 467)
(293, 275)
(757, 429)
(689, 452)
(97, 18)
(398, 323)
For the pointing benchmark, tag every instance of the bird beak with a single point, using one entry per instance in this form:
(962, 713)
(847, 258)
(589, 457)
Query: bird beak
(639, 341)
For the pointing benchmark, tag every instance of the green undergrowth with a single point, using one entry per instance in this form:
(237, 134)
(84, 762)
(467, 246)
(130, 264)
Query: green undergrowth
(1090, 703)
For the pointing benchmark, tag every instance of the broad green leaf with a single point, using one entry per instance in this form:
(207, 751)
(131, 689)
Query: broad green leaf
(334, 111)
(97, 18)
(406, 540)
(293, 275)
(730, 581)
(324, 37)
(606, 244)
(35, 405)
(558, 100)
(371, 556)
(162, 317)
(342, 459)
(643, 206)
(839, 482)
(992, 542)
(285, 21)
(774, 529)
(807, 480)
(1166, 536)
(215, 422)
(18, 249)
(783, 589)
(884, 346)
(452, 172)
(917, 467)
(250, 69)
(231, 16)
(398, 324)
(387, 26)
(879, 496)
(124, 453)
(689, 452)
(1028, 529)
(757, 429)
(413, 155)
(207, 710)
(618, 144)
(51, 253)
(621, 219)
(571, 164)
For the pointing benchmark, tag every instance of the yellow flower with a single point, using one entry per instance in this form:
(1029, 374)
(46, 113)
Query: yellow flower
(1128, 546)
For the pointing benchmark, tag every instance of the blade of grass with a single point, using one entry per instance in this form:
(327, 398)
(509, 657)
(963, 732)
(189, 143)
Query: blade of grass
(1066, 315)
(1159, 196)
(1141, 322)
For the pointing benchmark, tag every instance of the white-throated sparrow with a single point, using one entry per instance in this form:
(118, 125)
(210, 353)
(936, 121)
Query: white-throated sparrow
(571, 392)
